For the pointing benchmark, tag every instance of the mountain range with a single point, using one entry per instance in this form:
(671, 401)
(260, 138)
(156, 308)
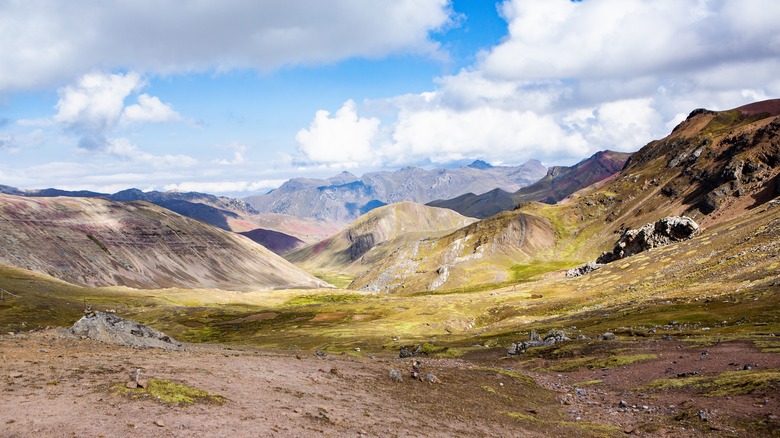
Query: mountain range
(344, 197)
(557, 184)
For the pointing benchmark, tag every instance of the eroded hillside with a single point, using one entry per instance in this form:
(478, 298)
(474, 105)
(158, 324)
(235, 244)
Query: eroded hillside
(96, 242)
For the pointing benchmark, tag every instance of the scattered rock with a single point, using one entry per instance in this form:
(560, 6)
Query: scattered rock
(622, 404)
(607, 336)
(581, 392)
(159, 423)
(131, 384)
(430, 378)
(320, 353)
(395, 375)
(704, 416)
(404, 352)
(109, 328)
(628, 430)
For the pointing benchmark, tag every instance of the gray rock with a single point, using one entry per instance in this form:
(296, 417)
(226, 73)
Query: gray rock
(109, 328)
(534, 340)
(607, 336)
(395, 375)
(584, 269)
(663, 232)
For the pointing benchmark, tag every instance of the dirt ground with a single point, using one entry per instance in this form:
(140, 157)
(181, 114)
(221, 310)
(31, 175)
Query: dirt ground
(53, 384)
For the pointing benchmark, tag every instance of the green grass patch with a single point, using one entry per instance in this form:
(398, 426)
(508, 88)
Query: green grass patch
(341, 281)
(595, 363)
(728, 383)
(582, 428)
(525, 378)
(522, 273)
(169, 392)
(315, 299)
(589, 382)
(100, 244)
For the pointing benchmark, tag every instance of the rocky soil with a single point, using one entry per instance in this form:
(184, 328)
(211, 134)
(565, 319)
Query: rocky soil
(57, 384)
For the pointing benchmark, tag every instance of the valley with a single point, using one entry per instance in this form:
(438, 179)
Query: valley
(679, 340)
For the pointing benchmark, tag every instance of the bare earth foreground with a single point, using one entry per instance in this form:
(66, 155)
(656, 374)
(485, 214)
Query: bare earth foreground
(54, 384)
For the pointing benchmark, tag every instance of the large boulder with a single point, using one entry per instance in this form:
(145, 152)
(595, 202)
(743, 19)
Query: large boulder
(109, 328)
(663, 232)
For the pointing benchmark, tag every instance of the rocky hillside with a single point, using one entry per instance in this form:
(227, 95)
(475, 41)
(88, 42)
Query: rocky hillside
(344, 252)
(345, 197)
(559, 183)
(713, 167)
(480, 253)
(97, 242)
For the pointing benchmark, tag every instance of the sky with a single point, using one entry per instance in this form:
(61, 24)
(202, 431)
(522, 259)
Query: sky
(235, 97)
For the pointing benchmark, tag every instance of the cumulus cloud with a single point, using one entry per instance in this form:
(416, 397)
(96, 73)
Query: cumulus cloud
(344, 139)
(572, 78)
(57, 41)
(96, 104)
(149, 109)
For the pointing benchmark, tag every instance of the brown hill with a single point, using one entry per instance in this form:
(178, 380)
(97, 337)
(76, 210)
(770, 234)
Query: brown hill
(96, 242)
(343, 252)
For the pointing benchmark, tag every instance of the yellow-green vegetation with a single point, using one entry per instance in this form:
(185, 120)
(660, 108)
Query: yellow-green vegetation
(579, 428)
(339, 280)
(534, 269)
(166, 391)
(525, 378)
(728, 383)
(596, 363)
(589, 382)
(313, 299)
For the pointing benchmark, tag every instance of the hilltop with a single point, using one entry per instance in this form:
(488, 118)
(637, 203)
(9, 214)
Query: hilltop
(346, 251)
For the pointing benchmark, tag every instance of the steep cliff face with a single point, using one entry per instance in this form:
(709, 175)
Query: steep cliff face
(96, 242)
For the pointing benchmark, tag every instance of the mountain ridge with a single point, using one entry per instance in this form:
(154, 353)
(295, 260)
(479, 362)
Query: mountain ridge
(345, 197)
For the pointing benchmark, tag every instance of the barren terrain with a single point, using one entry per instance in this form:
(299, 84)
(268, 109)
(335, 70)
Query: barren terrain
(54, 384)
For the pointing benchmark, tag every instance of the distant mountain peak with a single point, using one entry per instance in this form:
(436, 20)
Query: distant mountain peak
(481, 165)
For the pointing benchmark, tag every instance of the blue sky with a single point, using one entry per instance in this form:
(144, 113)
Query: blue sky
(235, 97)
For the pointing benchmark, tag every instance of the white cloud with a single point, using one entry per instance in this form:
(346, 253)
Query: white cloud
(225, 186)
(124, 149)
(96, 102)
(497, 135)
(343, 139)
(55, 42)
(572, 78)
(624, 38)
(149, 109)
(95, 105)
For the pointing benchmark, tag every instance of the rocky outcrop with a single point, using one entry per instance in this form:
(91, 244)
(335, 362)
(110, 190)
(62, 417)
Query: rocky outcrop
(663, 232)
(535, 340)
(584, 269)
(109, 328)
